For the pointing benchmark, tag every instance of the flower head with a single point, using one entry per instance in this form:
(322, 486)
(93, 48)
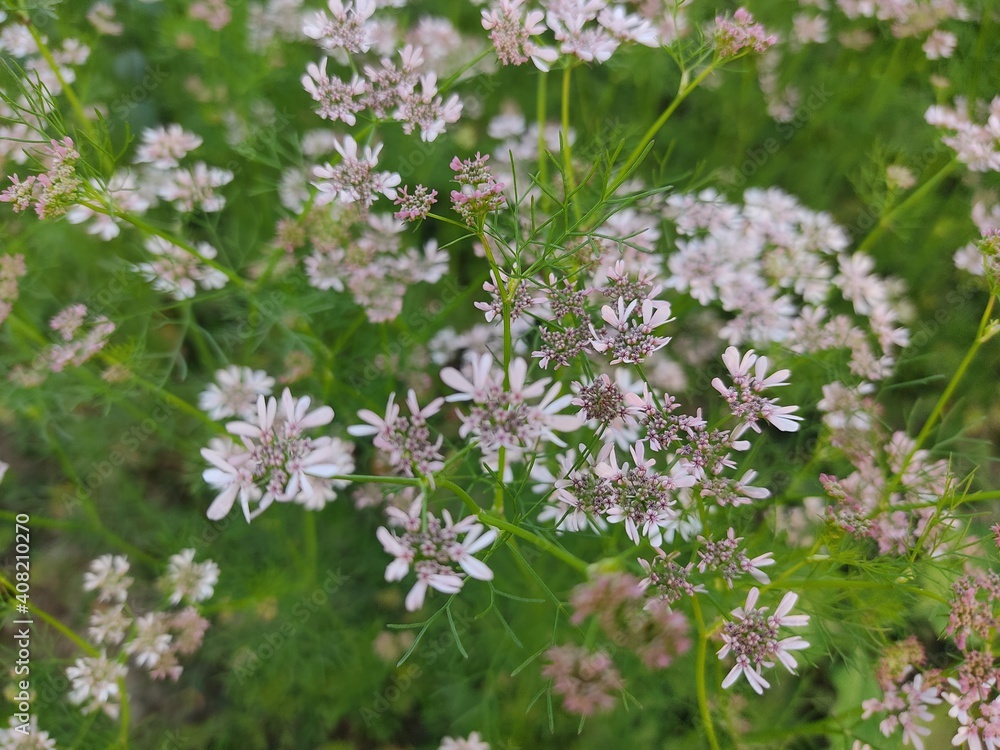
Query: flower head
(433, 549)
(278, 461)
(752, 636)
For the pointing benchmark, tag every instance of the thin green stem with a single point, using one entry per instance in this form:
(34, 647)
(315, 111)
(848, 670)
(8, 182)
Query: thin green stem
(148, 228)
(543, 544)
(543, 162)
(310, 545)
(378, 479)
(982, 335)
(569, 181)
(124, 716)
(453, 78)
(648, 136)
(54, 622)
(699, 676)
(886, 221)
(506, 290)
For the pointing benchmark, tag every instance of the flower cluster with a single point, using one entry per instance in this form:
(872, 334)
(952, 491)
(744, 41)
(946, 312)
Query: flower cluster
(479, 193)
(752, 637)
(586, 681)
(355, 178)
(234, 392)
(365, 255)
(12, 268)
(153, 640)
(417, 206)
(910, 688)
(502, 415)
(277, 461)
(742, 32)
(409, 97)
(53, 191)
(179, 271)
(743, 396)
(976, 146)
(406, 440)
(431, 546)
(657, 634)
(81, 334)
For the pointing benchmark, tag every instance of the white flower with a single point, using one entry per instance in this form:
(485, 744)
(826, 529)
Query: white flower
(186, 579)
(744, 399)
(165, 146)
(278, 462)
(432, 549)
(234, 392)
(107, 574)
(152, 640)
(108, 626)
(472, 742)
(95, 679)
(753, 637)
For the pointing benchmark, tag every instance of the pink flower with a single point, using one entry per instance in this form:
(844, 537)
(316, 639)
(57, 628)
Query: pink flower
(512, 34)
(753, 637)
(740, 33)
(336, 98)
(744, 399)
(430, 545)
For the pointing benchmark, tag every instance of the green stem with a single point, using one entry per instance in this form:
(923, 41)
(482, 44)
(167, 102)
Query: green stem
(67, 90)
(886, 221)
(55, 623)
(453, 78)
(569, 181)
(379, 479)
(543, 162)
(124, 716)
(699, 676)
(506, 291)
(309, 543)
(647, 137)
(982, 336)
(144, 226)
(498, 523)
(40, 522)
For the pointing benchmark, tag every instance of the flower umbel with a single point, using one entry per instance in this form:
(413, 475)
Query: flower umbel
(433, 549)
(277, 461)
(753, 638)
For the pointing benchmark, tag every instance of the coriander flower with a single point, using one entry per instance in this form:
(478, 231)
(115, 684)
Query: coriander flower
(743, 397)
(433, 549)
(234, 392)
(95, 680)
(753, 638)
(407, 440)
(511, 34)
(354, 179)
(107, 574)
(278, 462)
(188, 580)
